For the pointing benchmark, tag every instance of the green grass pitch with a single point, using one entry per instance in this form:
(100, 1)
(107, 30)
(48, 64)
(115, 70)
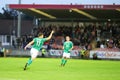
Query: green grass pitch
(49, 69)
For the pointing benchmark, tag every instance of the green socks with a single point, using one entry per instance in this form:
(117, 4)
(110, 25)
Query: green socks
(63, 62)
(29, 61)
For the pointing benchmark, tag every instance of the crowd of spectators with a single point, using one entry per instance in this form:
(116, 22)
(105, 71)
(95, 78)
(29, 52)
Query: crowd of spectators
(88, 36)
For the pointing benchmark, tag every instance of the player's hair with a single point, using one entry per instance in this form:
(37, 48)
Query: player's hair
(40, 34)
(68, 36)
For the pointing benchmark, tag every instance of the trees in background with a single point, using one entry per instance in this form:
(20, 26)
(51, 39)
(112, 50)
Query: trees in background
(12, 14)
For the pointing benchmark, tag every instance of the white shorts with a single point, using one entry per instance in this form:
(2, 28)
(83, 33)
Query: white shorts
(67, 55)
(34, 53)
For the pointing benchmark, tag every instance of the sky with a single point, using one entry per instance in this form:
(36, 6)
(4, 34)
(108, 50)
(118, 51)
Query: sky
(4, 2)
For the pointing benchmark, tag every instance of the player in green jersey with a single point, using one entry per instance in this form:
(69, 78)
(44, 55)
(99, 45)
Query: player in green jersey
(67, 47)
(36, 44)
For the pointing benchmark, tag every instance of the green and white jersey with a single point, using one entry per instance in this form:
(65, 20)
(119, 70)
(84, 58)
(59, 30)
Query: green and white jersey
(38, 43)
(67, 46)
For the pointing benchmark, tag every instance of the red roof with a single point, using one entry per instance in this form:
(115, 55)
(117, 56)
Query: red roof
(62, 6)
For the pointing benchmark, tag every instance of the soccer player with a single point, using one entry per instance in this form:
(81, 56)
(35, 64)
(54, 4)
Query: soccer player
(36, 43)
(67, 47)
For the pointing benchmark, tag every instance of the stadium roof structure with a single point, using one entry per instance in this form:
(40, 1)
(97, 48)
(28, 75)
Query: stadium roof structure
(70, 11)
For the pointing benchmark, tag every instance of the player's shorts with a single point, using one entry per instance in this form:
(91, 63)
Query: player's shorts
(34, 52)
(67, 55)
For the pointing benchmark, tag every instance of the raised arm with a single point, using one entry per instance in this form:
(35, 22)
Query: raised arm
(49, 37)
(28, 45)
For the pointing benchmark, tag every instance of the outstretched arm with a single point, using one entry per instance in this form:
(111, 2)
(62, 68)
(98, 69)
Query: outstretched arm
(49, 37)
(28, 45)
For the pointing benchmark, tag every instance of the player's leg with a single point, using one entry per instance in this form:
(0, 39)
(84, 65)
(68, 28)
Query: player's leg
(30, 61)
(34, 54)
(62, 60)
(65, 59)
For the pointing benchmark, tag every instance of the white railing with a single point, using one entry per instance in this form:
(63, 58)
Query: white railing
(6, 39)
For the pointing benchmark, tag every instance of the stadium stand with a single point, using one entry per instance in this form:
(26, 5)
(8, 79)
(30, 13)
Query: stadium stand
(90, 26)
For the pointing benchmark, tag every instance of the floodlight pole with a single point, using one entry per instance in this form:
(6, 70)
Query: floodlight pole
(19, 22)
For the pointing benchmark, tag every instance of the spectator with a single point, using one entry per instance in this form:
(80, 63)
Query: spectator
(2, 50)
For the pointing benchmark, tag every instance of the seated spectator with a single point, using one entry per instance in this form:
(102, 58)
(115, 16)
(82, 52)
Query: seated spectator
(110, 43)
